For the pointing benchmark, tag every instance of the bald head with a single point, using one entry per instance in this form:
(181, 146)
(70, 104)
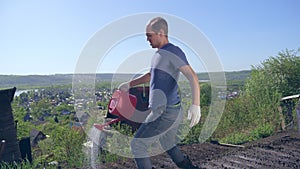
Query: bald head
(157, 25)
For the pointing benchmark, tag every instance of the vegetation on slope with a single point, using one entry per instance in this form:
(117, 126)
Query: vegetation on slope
(251, 115)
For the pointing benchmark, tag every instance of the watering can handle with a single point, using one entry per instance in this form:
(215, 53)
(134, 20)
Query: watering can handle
(112, 104)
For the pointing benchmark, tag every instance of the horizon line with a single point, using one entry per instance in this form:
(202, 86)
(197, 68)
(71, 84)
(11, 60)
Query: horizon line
(67, 73)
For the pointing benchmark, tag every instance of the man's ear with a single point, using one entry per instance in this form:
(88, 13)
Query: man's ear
(161, 32)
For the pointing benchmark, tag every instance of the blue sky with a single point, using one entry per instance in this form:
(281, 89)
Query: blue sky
(47, 37)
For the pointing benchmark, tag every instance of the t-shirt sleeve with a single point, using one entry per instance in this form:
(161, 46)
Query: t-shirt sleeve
(179, 58)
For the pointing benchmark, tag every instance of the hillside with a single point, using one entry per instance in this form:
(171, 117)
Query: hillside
(278, 151)
(30, 81)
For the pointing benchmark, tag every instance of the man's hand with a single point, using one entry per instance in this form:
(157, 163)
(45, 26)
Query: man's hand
(124, 86)
(194, 114)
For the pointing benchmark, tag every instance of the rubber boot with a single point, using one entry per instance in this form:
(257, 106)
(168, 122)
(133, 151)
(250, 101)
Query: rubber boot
(186, 164)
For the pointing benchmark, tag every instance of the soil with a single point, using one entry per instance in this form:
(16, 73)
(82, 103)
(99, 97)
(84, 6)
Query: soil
(281, 150)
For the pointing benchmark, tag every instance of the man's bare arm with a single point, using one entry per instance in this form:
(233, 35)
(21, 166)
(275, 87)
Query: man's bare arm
(145, 78)
(189, 73)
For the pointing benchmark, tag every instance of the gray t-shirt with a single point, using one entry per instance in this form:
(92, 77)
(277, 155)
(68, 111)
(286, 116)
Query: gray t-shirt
(164, 76)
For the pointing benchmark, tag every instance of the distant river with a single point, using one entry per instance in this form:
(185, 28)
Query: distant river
(18, 92)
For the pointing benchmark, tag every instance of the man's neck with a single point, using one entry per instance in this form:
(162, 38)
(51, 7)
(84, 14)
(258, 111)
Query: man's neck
(164, 42)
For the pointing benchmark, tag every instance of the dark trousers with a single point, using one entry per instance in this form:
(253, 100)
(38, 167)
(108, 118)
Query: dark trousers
(160, 128)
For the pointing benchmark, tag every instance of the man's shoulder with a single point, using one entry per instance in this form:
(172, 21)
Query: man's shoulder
(173, 48)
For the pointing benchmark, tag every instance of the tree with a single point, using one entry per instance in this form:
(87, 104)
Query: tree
(283, 71)
(257, 109)
(205, 94)
(40, 108)
(65, 107)
(276, 77)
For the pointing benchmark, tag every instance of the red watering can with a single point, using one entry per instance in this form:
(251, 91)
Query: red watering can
(122, 104)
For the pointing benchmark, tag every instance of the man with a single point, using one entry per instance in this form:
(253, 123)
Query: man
(164, 100)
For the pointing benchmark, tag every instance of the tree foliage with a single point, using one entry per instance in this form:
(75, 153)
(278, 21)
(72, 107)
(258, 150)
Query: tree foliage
(205, 94)
(65, 146)
(282, 71)
(256, 110)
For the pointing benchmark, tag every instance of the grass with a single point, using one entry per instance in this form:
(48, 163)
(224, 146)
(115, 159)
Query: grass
(24, 165)
(261, 131)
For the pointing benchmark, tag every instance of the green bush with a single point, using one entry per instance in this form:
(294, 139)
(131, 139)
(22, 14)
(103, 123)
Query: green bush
(262, 131)
(236, 138)
(64, 146)
(255, 114)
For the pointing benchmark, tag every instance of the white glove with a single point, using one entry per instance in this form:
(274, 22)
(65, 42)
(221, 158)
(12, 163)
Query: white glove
(124, 86)
(194, 114)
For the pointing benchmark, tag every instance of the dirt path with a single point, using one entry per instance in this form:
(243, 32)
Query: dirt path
(279, 151)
